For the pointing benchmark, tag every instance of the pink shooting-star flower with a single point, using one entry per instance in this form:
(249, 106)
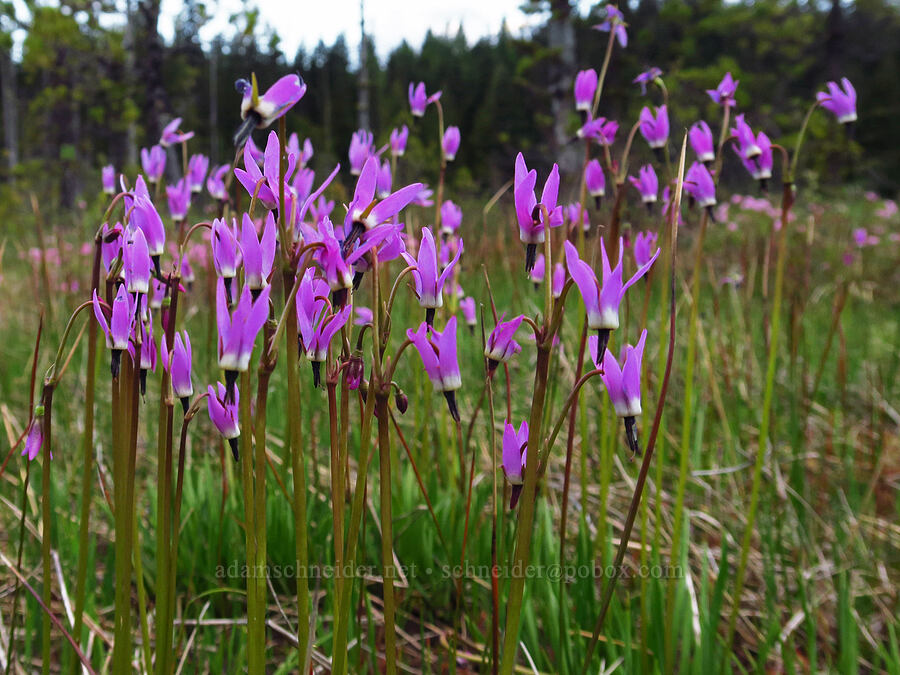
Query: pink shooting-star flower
(645, 78)
(119, 328)
(655, 128)
(698, 183)
(111, 247)
(428, 279)
(529, 211)
(215, 184)
(35, 438)
(303, 154)
(647, 184)
(624, 385)
(362, 315)
(515, 450)
(258, 112)
(538, 271)
(578, 216)
(559, 279)
(179, 196)
(267, 179)
(257, 253)
(419, 100)
(500, 346)
(399, 137)
(724, 93)
(147, 358)
(760, 166)
(601, 130)
(602, 304)
(450, 143)
(747, 147)
(198, 165)
(313, 329)
(451, 218)
(109, 179)
(383, 180)
(840, 101)
(320, 339)
(701, 139)
(145, 216)
(644, 244)
(439, 358)
(362, 146)
(585, 88)
(467, 306)
(177, 362)
(615, 21)
(154, 162)
(225, 253)
(172, 136)
(238, 331)
(136, 259)
(595, 181)
(224, 414)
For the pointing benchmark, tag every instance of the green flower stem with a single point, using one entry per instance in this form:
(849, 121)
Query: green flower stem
(47, 524)
(337, 486)
(387, 548)
(141, 594)
(259, 490)
(255, 650)
(787, 202)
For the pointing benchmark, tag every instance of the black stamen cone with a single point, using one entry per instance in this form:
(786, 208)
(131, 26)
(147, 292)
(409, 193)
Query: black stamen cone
(492, 366)
(357, 279)
(185, 403)
(317, 374)
(228, 299)
(355, 233)
(254, 293)
(530, 257)
(597, 201)
(429, 316)
(602, 341)
(658, 153)
(631, 436)
(143, 381)
(115, 363)
(712, 215)
(764, 185)
(156, 267)
(850, 130)
(233, 442)
(247, 126)
(230, 380)
(649, 206)
(339, 298)
(514, 494)
(471, 329)
(451, 403)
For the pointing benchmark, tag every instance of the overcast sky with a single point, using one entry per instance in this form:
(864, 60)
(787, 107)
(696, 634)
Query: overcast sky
(389, 22)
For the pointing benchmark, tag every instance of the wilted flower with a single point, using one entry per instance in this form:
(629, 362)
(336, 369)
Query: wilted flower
(701, 139)
(724, 93)
(439, 359)
(451, 143)
(615, 21)
(35, 438)
(171, 135)
(223, 412)
(419, 100)
(840, 102)
(585, 88)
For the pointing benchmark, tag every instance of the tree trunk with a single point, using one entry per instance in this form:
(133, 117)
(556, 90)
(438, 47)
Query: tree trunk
(10, 111)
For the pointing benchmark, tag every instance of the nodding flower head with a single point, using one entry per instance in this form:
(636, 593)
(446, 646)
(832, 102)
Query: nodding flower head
(225, 251)
(238, 331)
(399, 138)
(536, 275)
(264, 186)
(172, 136)
(644, 245)
(362, 146)
(316, 343)
(428, 277)
(303, 154)
(594, 179)
(655, 127)
(35, 438)
(760, 165)
(419, 100)
(260, 111)
(215, 184)
(136, 258)
(223, 412)
(615, 21)
(698, 183)
(602, 304)
(383, 180)
(198, 165)
(585, 88)
(515, 446)
(747, 147)
(145, 217)
(840, 101)
(701, 139)
(451, 218)
(111, 247)
(724, 93)
(624, 384)
(364, 213)
(500, 346)
(578, 216)
(109, 179)
(559, 279)
(179, 196)
(153, 162)
(645, 78)
(450, 143)
(439, 358)
(530, 212)
(467, 305)
(646, 183)
(120, 326)
(257, 253)
(177, 362)
(601, 130)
